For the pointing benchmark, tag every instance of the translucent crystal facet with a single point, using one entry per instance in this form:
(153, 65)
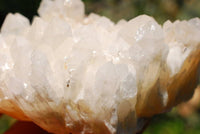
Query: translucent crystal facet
(72, 73)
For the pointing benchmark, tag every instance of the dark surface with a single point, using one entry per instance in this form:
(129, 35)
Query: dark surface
(26, 7)
(25, 128)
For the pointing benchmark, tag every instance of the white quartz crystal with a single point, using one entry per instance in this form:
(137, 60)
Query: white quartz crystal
(72, 73)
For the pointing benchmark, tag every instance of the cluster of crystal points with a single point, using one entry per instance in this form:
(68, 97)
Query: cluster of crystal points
(71, 73)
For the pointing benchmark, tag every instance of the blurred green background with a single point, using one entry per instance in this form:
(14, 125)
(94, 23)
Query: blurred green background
(184, 119)
(161, 10)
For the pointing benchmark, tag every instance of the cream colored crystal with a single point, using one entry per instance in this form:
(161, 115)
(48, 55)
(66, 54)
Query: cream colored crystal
(71, 73)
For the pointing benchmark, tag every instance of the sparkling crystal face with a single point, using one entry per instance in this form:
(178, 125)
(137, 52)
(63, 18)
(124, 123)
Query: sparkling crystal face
(71, 73)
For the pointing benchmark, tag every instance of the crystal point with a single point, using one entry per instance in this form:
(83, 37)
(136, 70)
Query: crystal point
(72, 73)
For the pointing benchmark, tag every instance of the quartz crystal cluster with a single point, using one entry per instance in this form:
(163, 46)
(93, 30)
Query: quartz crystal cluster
(72, 73)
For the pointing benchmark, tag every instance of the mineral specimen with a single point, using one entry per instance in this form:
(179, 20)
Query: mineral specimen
(72, 73)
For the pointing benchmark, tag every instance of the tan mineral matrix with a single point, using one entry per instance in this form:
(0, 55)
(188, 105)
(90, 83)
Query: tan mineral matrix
(72, 73)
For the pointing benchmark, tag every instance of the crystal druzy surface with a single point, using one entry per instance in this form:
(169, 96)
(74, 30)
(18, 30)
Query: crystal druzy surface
(72, 73)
